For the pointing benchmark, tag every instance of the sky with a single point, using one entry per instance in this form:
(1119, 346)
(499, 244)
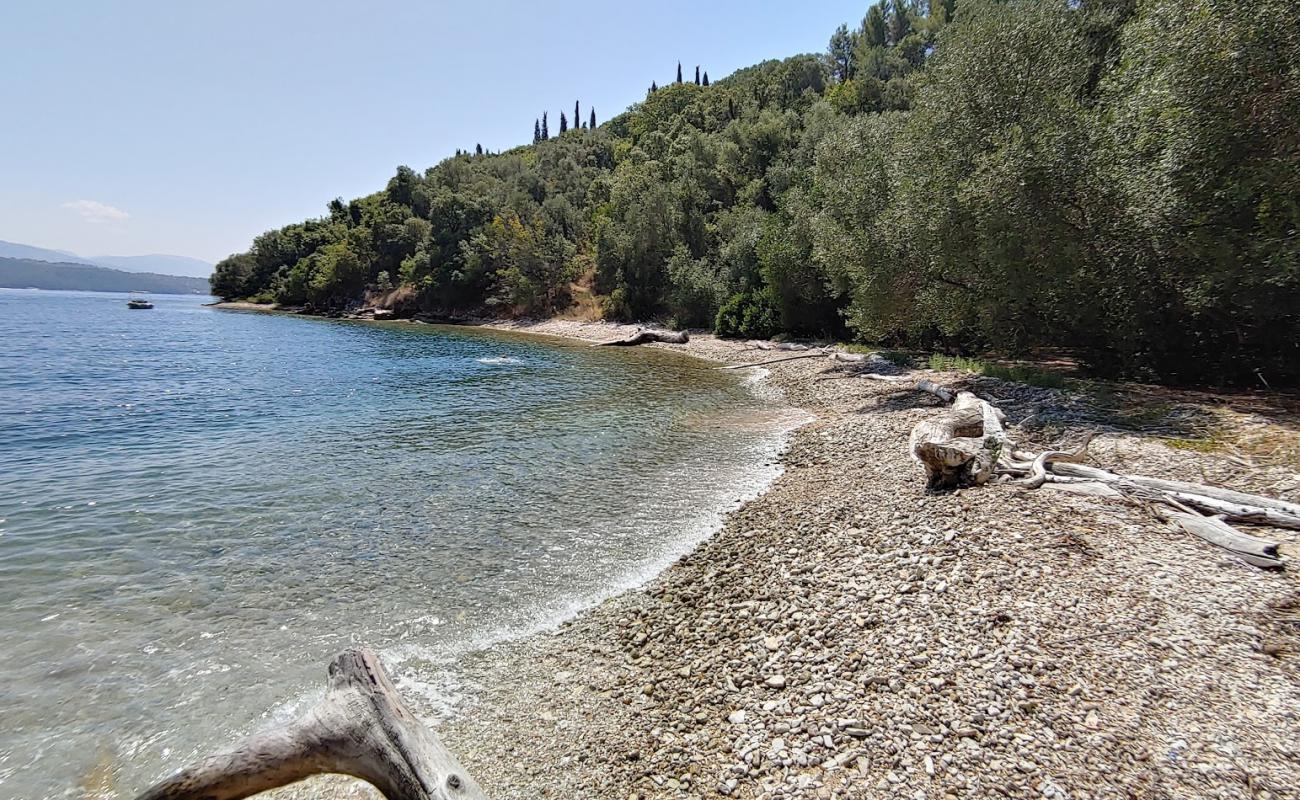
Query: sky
(181, 127)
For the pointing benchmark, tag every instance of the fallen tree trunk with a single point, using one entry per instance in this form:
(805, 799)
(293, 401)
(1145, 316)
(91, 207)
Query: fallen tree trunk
(361, 729)
(645, 336)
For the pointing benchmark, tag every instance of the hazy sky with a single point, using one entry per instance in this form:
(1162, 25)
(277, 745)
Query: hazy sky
(133, 127)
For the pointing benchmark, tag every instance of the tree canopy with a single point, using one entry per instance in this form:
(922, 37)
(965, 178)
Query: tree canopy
(1120, 178)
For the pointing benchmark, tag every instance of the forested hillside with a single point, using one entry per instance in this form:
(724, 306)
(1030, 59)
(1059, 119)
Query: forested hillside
(1116, 177)
(25, 273)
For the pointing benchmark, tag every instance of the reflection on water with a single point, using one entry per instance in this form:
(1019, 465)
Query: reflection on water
(198, 508)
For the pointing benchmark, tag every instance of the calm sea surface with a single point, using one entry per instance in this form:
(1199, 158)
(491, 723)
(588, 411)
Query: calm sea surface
(199, 507)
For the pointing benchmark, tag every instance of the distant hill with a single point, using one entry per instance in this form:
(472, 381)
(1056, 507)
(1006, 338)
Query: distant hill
(15, 250)
(25, 273)
(157, 263)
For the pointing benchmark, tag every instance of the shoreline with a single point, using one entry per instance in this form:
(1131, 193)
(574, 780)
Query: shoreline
(845, 635)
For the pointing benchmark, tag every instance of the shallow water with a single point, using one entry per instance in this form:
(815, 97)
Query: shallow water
(199, 507)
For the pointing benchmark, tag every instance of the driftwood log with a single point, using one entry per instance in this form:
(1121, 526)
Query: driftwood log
(361, 729)
(965, 444)
(962, 444)
(644, 336)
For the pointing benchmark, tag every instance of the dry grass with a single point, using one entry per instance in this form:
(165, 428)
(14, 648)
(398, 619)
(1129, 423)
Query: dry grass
(587, 305)
(1265, 443)
(401, 297)
(1016, 372)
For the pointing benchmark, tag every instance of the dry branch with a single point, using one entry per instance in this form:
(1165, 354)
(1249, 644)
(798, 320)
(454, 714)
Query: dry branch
(817, 354)
(1226, 496)
(361, 729)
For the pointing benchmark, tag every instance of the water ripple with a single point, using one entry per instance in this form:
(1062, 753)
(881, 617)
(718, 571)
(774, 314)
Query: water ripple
(198, 508)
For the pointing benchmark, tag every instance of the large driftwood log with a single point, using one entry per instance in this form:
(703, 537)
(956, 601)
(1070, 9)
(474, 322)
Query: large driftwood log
(965, 445)
(644, 336)
(962, 444)
(361, 729)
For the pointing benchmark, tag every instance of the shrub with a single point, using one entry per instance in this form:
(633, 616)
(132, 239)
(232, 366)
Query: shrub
(748, 315)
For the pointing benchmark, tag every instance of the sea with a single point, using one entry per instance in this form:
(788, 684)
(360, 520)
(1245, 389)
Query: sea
(199, 507)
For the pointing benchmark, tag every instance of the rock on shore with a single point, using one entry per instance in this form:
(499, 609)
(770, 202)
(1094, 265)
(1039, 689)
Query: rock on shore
(847, 636)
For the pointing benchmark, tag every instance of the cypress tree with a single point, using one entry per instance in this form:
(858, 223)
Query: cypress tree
(478, 149)
(901, 23)
(654, 87)
(537, 131)
(592, 124)
(706, 77)
(679, 72)
(546, 134)
(839, 52)
(873, 27)
(577, 118)
(564, 123)
(731, 108)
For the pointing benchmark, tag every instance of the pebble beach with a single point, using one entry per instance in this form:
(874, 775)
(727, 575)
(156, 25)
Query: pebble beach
(846, 635)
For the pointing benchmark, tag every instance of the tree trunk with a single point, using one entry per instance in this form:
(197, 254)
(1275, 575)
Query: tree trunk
(361, 729)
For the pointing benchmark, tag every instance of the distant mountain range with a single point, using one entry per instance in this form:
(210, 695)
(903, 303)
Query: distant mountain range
(158, 264)
(26, 273)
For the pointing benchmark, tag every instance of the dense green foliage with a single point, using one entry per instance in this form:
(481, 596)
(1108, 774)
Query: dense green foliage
(1118, 177)
(26, 273)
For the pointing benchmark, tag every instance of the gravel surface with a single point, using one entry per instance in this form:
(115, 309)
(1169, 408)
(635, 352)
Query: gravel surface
(847, 636)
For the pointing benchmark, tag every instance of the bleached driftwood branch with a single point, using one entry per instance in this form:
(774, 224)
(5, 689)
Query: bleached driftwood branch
(361, 729)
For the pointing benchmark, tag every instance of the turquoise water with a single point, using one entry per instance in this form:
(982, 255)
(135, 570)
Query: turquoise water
(199, 507)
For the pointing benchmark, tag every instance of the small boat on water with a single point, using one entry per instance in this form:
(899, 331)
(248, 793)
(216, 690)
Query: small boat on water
(138, 300)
